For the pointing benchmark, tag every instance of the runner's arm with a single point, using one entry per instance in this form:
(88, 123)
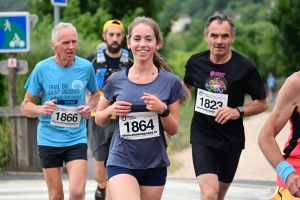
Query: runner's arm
(286, 102)
(255, 107)
(103, 115)
(170, 123)
(29, 109)
(93, 99)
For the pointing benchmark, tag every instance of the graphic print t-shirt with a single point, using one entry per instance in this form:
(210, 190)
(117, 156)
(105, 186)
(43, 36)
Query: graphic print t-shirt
(67, 86)
(235, 78)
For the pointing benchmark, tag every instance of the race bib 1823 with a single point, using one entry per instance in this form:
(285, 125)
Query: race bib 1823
(208, 102)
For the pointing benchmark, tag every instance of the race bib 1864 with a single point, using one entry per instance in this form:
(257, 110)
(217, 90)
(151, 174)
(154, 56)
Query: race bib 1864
(208, 102)
(65, 116)
(139, 125)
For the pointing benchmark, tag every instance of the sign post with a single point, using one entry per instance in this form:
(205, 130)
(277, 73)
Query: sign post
(15, 28)
(57, 4)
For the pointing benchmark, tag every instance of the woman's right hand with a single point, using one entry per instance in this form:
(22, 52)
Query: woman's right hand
(121, 108)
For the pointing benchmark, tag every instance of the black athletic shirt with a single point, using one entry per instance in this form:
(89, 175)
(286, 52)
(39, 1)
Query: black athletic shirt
(112, 63)
(238, 77)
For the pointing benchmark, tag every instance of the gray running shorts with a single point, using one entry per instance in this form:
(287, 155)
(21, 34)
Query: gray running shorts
(100, 138)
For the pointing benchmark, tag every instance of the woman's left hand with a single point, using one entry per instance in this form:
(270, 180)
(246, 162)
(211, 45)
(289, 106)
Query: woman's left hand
(153, 103)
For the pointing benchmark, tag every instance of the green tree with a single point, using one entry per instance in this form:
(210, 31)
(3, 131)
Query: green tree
(286, 16)
(13, 5)
(255, 41)
(3, 86)
(249, 11)
(89, 15)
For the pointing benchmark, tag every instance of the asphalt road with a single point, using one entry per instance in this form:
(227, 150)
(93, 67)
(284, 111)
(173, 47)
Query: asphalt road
(31, 186)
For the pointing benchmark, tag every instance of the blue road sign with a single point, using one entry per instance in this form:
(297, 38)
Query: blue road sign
(14, 32)
(59, 2)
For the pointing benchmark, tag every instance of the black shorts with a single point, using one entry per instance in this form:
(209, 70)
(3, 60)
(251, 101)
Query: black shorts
(55, 156)
(209, 160)
(99, 138)
(145, 177)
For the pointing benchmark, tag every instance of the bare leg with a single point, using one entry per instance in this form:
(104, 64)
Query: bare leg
(124, 187)
(107, 196)
(100, 176)
(151, 192)
(54, 183)
(77, 172)
(209, 186)
(223, 187)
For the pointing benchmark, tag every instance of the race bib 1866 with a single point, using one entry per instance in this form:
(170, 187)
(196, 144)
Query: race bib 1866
(65, 116)
(139, 125)
(208, 102)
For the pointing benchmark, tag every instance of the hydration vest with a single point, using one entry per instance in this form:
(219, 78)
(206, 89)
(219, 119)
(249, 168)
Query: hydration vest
(103, 71)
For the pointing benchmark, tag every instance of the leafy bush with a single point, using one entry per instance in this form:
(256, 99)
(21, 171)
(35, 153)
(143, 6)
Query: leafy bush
(5, 144)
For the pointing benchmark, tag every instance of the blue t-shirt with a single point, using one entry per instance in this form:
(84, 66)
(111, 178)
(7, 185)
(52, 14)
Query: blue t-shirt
(142, 153)
(67, 86)
(271, 82)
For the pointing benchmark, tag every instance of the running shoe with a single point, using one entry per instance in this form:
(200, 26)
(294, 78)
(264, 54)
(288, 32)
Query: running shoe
(100, 194)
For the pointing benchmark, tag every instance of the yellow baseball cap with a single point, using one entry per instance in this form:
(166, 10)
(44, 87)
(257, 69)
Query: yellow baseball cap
(111, 23)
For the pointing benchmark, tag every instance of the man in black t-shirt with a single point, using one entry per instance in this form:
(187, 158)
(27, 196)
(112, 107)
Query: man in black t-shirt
(106, 61)
(222, 78)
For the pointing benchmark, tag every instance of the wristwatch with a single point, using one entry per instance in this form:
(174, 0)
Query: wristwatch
(165, 113)
(241, 111)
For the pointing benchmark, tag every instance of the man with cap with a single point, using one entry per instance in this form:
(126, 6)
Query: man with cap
(106, 61)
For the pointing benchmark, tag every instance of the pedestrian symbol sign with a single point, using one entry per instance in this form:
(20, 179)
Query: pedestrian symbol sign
(14, 32)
